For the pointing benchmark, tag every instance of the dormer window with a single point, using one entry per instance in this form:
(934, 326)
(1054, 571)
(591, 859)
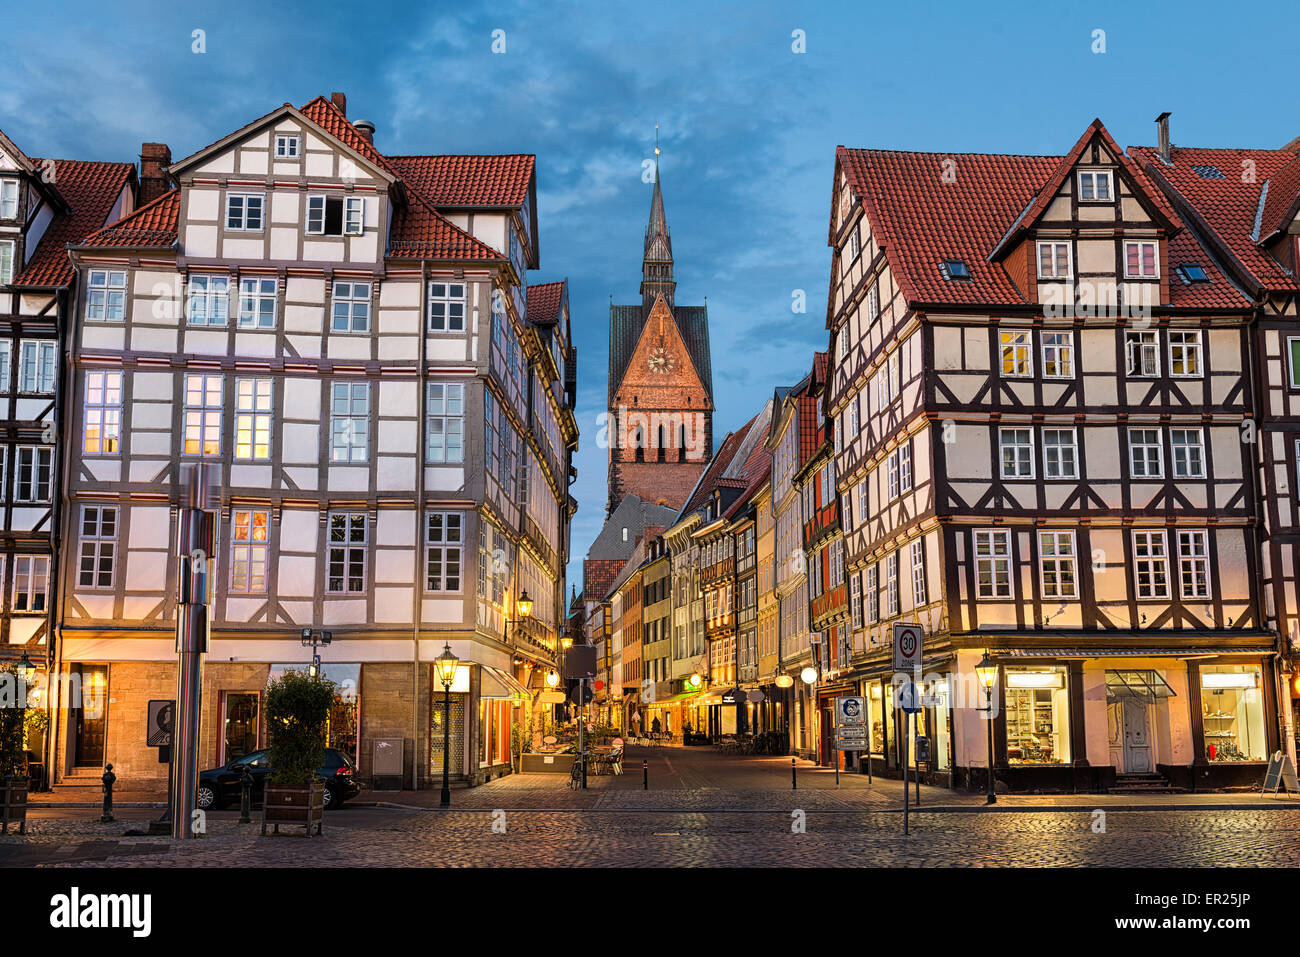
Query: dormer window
(1054, 260)
(335, 215)
(8, 198)
(1095, 186)
(286, 147)
(1192, 272)
(1140, 260)
(955, 269)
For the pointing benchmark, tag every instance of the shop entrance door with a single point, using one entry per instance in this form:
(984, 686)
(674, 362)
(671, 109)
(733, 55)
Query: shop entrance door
(91, 717)
(1137, 740)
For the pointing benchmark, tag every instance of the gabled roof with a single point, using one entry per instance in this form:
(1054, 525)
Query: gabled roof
(152, 226)
(467, 181)
(626, 324)
(421, 232)
(544, 300)
(716, 475)
(634, 514)
(922, 218)
(1281, 200)
(91, 190)
(1226, 206)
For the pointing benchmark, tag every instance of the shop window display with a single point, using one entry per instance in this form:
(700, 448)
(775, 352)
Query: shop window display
(941, 747)
(1232, 713)
(1037, 713)
(876, 719)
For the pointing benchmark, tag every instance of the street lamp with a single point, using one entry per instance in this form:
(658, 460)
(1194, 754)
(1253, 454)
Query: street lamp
(809, 675)
(315, 639)
(987, 672)
(446, 665)
(552, 679)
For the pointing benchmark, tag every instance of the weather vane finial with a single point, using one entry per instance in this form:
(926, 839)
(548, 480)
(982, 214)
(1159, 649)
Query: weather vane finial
(656, 139)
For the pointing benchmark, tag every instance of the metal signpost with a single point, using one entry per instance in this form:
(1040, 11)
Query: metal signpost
(907, 660)
(850, 728)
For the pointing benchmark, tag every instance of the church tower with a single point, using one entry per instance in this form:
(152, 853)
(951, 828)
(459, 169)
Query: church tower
(660, 381)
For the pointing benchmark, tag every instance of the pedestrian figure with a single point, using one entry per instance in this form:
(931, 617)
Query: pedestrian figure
(655, 726)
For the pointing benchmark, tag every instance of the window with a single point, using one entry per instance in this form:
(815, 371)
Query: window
(1194, 563)
(8, 198)
(993, 563)
(891, 584)
(446, 422)
(855, 244)
(98, 546)
(5, 346)
(873, 593)
(347, 553)
(1140, 260)
(335, 215)
(1293, 345)
(1058, 355)
(1037, 715)
(1017, 453)
(1192, 272)
(918, 573)
(203, 414)
(1189, 452)
(1232, 713)
(887, 381)
(349, 421)
(447, 307)
(31, 582)
(955, 270)
(6, 263)
(873, 303)
(1053, 260)
(1095, 186)
(904, 454)
(1150, 565)
(257, 303)
(36, 366)
(1145, 453)
(855, 600)
(351, 311)
(1017, 346)
(103, 413)
(106, 295)
(248, 551)
(286, 147)
(1060, 454)
(253, 410)
(244, 211)
(1208, 172)
(1185, 354)
(209, 300)
(891, 473)
(34, 467)
(1056, 564)
(1142, 350)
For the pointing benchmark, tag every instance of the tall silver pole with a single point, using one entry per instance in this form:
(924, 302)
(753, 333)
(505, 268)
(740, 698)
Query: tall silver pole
(194, 543)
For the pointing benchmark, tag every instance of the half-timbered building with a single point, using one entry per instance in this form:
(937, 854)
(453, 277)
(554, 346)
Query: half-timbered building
(344, 336)
(1042, 380)
(44, 205)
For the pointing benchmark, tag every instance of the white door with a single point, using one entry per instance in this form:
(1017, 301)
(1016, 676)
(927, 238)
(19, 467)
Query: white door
(1137, 742)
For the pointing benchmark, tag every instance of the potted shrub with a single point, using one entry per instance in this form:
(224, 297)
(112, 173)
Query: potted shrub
(297, 708)
(13, 754)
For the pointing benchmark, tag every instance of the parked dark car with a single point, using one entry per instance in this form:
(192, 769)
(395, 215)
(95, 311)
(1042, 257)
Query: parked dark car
(220, 786)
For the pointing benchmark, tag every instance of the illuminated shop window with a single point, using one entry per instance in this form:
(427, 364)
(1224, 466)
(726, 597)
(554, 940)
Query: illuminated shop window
(1232, 713)
(1037, 708)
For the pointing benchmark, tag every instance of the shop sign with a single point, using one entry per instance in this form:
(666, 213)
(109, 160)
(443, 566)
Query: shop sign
(729, 697)
(756, 696)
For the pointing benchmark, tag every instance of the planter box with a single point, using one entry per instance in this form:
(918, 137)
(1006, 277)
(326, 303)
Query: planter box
(13, 804)
(302, 805)
(546, 763)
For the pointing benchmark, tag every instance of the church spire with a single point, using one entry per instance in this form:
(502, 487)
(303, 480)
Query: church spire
(657, 265)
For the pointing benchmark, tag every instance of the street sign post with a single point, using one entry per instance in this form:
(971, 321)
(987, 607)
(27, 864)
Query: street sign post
(907, 647)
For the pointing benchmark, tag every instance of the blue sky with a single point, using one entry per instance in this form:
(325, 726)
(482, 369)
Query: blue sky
(748, 127)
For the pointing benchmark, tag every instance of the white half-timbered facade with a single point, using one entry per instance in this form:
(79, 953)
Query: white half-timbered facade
(1041, 381)
(348, 338)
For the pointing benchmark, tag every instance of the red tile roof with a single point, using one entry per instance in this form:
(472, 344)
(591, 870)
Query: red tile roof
(599, 575)
(1282, 200)
(544, 301)
(420, 232)
(469, 180)
(923, 218)
(326, 115)
(90, 189)
(1226, 205)
(712, 477)
(151, 226)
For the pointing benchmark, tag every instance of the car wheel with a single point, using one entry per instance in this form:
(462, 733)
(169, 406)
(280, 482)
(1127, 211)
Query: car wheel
(206, 798)
(329, 798)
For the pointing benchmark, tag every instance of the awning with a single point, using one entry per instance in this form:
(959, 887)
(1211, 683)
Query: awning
(1125, 652)
(1144, 684)
(498, 684)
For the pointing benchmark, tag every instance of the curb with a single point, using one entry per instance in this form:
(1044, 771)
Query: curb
(872, 809)
(96, 804)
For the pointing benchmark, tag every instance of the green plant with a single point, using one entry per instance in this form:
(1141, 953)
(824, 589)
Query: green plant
(13, 756)
(297, 715)
(521, 737)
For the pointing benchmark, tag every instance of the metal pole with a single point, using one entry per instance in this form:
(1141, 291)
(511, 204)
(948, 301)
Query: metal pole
(582, 728)
(988, 694)
(194, 545)
(645, 774)
(794, 776)
(837, 767)
(906, 716)
(446, 743)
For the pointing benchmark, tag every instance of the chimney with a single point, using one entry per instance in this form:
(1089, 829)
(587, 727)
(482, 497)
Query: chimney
(154, 181)
(1162, 124)
(366, 129)
(340, 102)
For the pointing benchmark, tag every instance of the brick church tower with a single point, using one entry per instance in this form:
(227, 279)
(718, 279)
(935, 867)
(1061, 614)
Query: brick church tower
(660, 382)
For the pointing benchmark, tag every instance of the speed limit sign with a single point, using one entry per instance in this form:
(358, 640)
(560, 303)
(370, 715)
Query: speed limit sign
(907, 647)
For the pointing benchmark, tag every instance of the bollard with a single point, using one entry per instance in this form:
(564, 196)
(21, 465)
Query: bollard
(645, 775)
(794, 781)
(245, 795)
(108, 779)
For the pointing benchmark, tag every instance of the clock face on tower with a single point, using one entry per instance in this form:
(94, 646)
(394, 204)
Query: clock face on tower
(662, 361)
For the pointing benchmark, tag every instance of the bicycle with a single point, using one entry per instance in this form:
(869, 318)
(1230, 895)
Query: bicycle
(575, 773)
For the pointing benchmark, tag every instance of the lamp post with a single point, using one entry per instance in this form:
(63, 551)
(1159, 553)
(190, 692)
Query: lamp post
(446, 665)
(987, 672)
(314, 639)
